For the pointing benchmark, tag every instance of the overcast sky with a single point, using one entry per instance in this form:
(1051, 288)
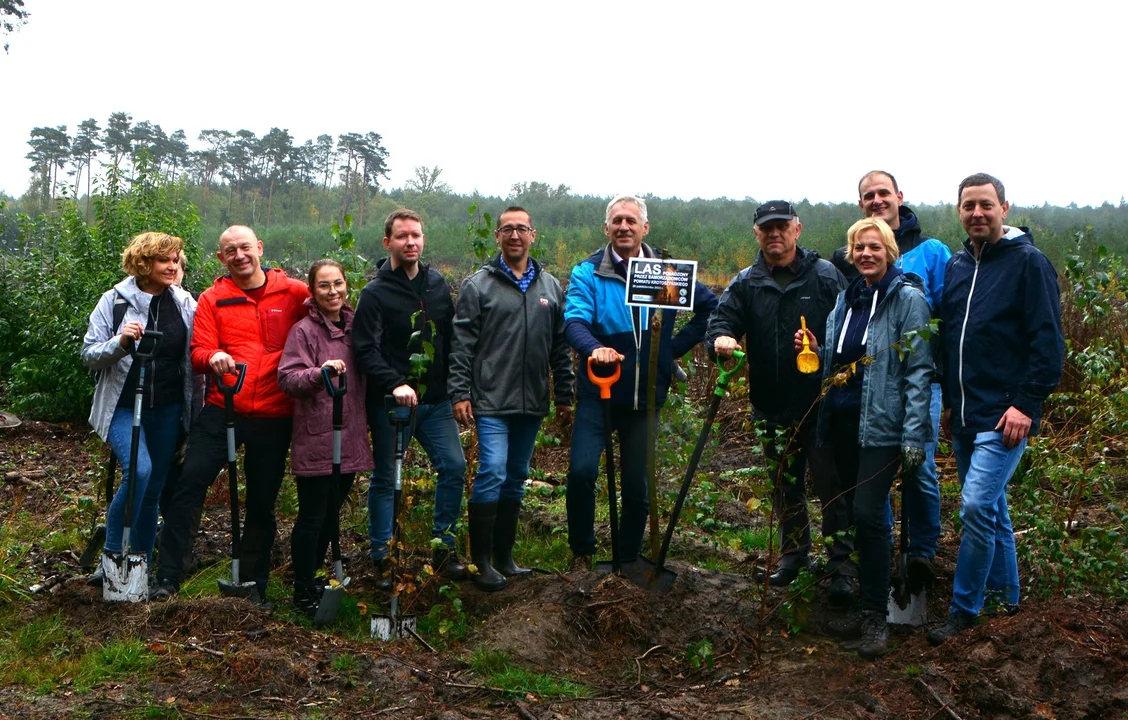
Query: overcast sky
(693, 99)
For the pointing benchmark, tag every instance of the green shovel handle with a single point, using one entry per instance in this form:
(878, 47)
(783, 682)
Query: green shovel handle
(723, 376)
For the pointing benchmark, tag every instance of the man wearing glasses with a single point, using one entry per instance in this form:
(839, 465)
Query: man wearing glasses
(508, 334)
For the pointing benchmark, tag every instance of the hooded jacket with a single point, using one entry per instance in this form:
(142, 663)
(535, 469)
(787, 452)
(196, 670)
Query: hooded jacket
(755, 307)
(1000, 334)
(252, 332)
(597, 315)
(383, 332)
(895, 386)
(102, 350)
(505, 342)
(311, 342)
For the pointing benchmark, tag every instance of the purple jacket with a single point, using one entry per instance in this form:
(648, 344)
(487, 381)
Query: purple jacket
(312, 341)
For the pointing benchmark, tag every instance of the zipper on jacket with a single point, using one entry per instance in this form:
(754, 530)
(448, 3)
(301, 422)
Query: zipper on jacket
(963, 334)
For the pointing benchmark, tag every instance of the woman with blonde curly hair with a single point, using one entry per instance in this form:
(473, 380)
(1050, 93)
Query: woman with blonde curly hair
(147, 300)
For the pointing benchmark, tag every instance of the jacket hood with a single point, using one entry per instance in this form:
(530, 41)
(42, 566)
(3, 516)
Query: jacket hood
(319, 318)
(859, 292)
(806, 259)
(139, 299)
(908, 235)
(1013, 237)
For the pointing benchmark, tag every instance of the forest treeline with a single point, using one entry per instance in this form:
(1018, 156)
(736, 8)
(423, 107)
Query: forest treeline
(292, 191)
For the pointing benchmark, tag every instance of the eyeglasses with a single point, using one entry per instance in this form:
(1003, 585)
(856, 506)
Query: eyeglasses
(507, 230)
(337, 285)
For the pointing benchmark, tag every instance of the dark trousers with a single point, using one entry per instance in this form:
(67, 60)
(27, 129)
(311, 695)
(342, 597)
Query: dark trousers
(265, 442)
(586, 459)
(791, 451)
(872, 471)
(319, 501)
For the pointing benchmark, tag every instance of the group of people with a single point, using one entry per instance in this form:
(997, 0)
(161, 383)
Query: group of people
(872, 414)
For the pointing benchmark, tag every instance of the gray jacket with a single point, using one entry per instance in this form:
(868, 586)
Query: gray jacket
(896, 391)
(505, 342)
(103, 353)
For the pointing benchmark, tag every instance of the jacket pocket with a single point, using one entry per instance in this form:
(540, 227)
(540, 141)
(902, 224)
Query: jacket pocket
(276, 326)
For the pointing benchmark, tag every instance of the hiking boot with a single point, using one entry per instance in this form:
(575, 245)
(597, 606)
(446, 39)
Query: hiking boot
(847, 628)
(306, 602)
(164, 590)
(783, 577)
(483, 520)
(956, 623)
(580, 563)
(446, 563)
(382, 567)
(841, 590)
(921, 574)
(505, 535)
(875, 635)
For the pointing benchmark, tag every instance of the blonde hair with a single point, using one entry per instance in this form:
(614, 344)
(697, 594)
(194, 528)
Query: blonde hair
(882, 228)
(137, 258)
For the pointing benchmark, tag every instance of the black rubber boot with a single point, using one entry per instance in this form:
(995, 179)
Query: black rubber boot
(445, 562)
(505, 535)
(382, 568)
(483, 518)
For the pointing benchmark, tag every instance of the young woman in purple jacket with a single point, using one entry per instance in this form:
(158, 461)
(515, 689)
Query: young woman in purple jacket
(321, 339)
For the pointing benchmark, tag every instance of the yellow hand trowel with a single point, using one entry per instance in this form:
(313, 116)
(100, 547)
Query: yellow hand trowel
(807, 360)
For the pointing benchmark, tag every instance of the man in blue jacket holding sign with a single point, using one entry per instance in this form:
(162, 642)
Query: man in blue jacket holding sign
(599, 324)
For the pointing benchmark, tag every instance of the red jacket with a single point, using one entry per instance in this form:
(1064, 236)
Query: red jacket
(228, 319)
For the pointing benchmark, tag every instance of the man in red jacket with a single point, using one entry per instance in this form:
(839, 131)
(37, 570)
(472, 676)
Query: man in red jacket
(243, 318)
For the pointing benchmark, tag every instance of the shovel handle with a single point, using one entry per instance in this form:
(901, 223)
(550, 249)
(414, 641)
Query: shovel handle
(724, 376)
(235, 387)
(603, 382)
(342, 385)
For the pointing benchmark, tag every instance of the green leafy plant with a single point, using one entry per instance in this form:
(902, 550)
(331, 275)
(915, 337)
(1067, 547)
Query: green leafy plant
(479, 231)
(698, 655)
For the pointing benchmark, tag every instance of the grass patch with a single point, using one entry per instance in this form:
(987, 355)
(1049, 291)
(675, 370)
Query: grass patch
(495, 670)
(120, 658)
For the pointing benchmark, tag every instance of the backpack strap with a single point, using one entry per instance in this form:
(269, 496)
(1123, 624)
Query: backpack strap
(120, 306)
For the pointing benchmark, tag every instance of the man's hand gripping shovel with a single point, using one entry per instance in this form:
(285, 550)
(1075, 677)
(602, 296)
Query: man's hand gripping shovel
(125, 575)
(236, 587)
(331, 597)
(653, 575)
(604, 383)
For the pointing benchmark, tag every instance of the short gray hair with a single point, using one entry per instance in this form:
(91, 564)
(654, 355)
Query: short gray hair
(639, 202)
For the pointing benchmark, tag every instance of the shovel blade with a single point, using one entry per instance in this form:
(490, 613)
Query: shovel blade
(385, 627)
(125, 578)
(94, 545)
(228, 588)
(905, 608)
(329, 606)
(644, 573)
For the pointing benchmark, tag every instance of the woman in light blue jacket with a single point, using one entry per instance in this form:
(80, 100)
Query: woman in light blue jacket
(148, 299)
(875, 413)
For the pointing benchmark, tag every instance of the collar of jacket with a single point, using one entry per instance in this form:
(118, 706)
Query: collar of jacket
(384, 267)
(804, 260)
(494, 266)
(606, 266)
(908, 233)
(1012, 237)
(318, 317)
(140, 299)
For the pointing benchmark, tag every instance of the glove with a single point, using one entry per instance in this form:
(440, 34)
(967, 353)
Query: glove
(911, 458)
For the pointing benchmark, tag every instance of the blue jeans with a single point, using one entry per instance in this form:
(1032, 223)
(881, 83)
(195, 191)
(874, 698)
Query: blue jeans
(585, 459)
(437, 432)
(505, 447)
(923, 493)
(987, 559)
(160, 433)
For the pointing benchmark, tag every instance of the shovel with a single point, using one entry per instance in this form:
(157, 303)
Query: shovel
(392, 626)
(125, 576)
(234, 588)
(907, 605)
(807, 360)
(604, 384)
(88, 559)
(331, 596)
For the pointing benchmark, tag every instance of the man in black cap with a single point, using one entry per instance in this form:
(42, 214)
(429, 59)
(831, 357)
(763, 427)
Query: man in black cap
(763, 304)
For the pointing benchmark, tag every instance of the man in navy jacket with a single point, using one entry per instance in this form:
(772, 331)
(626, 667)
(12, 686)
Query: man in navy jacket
(1001, 355)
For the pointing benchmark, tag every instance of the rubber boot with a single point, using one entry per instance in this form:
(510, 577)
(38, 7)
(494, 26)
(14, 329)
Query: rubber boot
(446, 563)
(483, 517)
(383, 570)
(505, 534)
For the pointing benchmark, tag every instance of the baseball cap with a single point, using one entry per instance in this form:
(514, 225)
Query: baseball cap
(774, 210)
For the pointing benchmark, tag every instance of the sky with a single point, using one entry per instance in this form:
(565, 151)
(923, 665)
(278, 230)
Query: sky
(702, 99)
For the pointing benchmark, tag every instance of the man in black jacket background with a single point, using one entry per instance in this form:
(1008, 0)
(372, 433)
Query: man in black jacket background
(407, 296)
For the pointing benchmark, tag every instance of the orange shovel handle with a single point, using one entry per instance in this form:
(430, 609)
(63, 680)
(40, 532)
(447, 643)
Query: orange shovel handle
(604, 383)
